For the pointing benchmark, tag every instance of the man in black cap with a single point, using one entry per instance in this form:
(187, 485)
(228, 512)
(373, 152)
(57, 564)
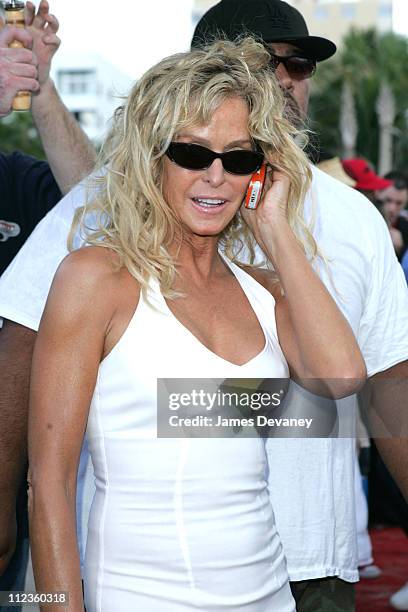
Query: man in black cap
(311, 481)
(293, 52)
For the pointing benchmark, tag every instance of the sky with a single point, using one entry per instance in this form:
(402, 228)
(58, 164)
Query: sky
(400, 16)
(134, 34)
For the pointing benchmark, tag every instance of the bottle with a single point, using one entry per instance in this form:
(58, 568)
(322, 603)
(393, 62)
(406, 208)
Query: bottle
(14, 10)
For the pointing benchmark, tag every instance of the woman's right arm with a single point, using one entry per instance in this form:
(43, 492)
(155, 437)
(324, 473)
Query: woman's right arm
(67, 354)
(316, 339)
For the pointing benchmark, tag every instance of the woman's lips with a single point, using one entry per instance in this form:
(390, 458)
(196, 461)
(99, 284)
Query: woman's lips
(209, 205)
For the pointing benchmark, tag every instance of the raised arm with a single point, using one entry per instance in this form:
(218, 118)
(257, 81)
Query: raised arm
(316, 339)
(67, 354)
(69, 152)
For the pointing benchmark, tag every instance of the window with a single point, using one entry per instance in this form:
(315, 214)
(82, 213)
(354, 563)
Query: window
(321, 13)
(76, 81)
(196, 16)
(385, 11)
(87, 118)
(348, 11)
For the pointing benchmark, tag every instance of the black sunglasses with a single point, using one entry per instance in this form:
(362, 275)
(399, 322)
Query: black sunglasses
(297, 67)
(196, 157)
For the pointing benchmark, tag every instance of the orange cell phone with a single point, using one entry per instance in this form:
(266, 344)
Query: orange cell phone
(255, 188)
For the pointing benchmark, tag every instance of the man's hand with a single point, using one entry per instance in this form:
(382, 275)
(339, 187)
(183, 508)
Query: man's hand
(27, 69)
(69, 152)
(18, 67)
(397, 239)
(43, 28)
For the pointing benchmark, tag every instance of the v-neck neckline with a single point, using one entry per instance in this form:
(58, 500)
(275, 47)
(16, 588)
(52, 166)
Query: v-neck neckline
(186, 330)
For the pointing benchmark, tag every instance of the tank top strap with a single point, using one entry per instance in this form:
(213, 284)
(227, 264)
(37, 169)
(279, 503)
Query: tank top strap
(262, 302)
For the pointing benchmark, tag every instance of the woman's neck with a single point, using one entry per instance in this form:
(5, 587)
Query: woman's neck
(197, 258)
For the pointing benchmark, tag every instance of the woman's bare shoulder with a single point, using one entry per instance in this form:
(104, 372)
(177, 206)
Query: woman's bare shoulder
(88, 279)
(92, 262)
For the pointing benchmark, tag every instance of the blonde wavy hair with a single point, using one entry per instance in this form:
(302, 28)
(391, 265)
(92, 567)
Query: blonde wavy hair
(126, 210)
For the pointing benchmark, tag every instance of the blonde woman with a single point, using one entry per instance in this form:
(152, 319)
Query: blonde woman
(177, 524)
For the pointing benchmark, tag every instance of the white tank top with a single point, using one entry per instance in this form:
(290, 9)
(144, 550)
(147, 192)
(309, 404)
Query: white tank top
(179, 524)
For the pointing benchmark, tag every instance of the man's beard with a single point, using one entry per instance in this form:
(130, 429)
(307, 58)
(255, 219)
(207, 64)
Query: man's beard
(292, 111)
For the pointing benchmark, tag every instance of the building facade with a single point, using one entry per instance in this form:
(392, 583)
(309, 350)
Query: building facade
(332, 18)
(91, 88)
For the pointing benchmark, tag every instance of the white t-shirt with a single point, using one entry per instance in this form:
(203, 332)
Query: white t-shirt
(311, 480)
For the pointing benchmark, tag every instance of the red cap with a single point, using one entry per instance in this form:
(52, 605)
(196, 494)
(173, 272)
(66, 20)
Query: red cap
(367, 179)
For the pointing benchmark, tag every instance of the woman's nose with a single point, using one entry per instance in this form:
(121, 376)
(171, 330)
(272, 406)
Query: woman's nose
(214, 174)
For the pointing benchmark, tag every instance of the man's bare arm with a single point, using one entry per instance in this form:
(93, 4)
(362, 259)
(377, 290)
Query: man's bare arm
(16, 347)
(394, 453)
(69, 152)
(386, 409)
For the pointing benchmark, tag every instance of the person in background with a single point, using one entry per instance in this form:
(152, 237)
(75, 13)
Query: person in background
(404, 264)
(393, 201)
(366, 567)
(60, 133)
(367, 181)
(312, 481)
(29, 189)
(333, 167)
(399, 600)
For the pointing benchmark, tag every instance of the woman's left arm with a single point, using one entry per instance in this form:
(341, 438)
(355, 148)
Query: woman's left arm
(316, 339)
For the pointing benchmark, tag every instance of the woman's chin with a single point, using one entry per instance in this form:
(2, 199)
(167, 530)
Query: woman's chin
(210, 230)
(210, 227)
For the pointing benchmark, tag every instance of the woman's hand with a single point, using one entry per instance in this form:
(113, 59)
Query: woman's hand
(271, 215)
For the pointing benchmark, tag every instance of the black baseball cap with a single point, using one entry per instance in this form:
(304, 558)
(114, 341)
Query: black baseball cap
(270, 20)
